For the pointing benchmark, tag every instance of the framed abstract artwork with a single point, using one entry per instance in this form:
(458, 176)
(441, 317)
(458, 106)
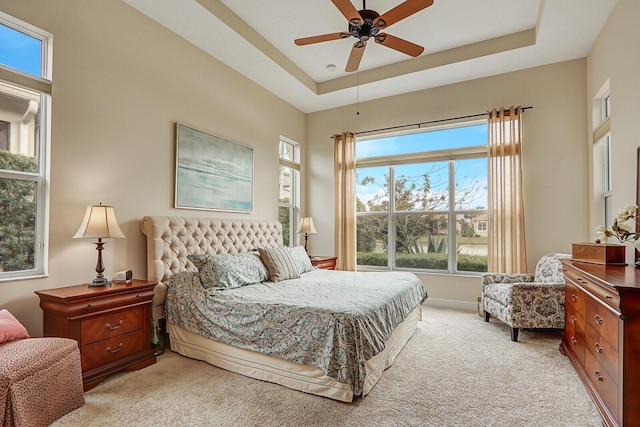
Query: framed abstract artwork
(212, 173)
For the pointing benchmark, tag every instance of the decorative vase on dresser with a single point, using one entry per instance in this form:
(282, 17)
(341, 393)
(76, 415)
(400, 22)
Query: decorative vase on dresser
(602, 336)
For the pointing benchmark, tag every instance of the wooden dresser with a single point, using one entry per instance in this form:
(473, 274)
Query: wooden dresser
(602, 336)
(111, 324)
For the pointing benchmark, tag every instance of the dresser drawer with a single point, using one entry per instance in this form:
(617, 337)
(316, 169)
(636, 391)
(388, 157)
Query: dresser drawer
(111, 349)
(604, 322)
(575, 297)
(574, 317)
(574, 335)
(111, 325)
(606, 294)
(604, 353)
(604, 384)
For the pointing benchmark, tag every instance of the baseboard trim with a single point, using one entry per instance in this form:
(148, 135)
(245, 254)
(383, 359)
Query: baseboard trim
(449, 303)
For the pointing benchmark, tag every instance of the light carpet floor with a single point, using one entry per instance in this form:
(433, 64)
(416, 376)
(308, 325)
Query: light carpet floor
(456, 370)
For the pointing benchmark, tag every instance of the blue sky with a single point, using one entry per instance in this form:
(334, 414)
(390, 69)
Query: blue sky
(20, 51)
(441, 139)
(467, 172)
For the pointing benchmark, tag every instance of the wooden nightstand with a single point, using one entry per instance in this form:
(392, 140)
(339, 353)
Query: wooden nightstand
(111, 324)
(324, 262)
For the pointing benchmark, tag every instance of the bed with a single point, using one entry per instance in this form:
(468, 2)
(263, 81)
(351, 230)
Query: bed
(327, 333)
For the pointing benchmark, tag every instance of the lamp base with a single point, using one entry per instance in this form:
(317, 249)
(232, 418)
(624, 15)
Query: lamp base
(98, 282)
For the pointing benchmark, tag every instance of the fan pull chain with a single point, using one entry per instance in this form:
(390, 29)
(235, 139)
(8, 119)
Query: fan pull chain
(357, 93)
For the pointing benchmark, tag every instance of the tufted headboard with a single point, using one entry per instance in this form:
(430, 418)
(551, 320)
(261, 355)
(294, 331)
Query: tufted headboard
(171, 239)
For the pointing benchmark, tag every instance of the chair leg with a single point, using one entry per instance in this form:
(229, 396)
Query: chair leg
(486, 316)
(514, 334)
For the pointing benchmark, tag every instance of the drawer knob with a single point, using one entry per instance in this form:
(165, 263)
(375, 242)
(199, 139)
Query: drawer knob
(598, 319)
(598, 347)
(115, 350)
(573, 340)
(573, 318)
(138, 296)
(90, 305)
(574, 297)
(608, 297)
(598, 376)
(112, 328)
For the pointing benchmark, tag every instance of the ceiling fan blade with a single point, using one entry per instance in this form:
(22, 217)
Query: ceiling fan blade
(356, 55)
(401, 11)
(349, 11)
(401, 45)
(322, 38)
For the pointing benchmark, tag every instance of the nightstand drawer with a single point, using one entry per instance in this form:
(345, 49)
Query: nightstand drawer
(111, 325)
(324, 262)
(112, 349)
(83, 307)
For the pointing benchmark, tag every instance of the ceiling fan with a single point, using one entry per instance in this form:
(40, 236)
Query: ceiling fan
(366, 24)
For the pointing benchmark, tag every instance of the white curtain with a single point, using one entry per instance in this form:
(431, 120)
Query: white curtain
(345, 200)
(507, 251)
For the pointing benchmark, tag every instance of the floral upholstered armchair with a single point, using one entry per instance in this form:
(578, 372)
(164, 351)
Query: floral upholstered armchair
(527, 300)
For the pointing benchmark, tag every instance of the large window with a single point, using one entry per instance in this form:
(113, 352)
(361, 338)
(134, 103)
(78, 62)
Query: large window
(288, 184)
(25, 87)
(422, 200)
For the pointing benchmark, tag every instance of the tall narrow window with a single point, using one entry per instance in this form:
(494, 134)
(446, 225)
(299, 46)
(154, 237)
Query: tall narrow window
(422, 200)
(288, 188)
(25, 55)
(602, 185)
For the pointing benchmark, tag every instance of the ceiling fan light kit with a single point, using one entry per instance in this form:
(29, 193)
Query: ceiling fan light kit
(366, 24)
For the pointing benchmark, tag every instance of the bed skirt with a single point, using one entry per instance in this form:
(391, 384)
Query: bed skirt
(304, 378)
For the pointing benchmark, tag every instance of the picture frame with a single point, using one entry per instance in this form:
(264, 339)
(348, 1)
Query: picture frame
(212, 173)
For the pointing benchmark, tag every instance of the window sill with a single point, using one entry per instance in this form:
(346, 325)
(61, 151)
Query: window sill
(423, 272)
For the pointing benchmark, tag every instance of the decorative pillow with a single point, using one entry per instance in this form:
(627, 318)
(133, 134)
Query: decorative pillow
(279, 263)
(10, 327)
(300, 259)
(229, 270)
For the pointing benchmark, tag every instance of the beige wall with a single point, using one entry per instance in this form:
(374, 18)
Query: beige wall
(120, 82)
(555, 159)
(615, 57)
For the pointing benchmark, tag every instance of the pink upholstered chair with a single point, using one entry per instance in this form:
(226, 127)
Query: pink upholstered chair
(40, 378)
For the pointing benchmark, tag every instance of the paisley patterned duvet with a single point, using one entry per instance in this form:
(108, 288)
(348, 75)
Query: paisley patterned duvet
(333, 320)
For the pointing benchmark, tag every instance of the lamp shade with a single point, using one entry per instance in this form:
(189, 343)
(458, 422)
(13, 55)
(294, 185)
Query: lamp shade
(306, 226)
(99, 221)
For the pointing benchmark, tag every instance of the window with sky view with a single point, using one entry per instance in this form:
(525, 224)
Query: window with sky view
(422, 200)
(24, 119)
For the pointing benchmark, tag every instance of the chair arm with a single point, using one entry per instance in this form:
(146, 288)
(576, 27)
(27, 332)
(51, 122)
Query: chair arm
(490, 278)
(547, 288)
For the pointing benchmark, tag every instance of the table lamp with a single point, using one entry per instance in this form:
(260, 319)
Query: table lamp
(306, 227)
(99, 221)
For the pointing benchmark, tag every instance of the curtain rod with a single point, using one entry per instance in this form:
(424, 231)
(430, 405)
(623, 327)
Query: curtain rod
(430, 122)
